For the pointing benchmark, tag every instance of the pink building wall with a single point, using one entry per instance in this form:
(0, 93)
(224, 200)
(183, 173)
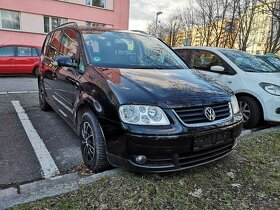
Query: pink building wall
(118, 17)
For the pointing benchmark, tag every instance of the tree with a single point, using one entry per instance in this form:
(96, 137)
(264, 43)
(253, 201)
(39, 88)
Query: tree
(246, 10)
(272, 9)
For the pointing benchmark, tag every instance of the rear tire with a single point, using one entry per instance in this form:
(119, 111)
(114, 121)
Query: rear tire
(35, 71)
(42, 97)
(250, 110)
(93, 143)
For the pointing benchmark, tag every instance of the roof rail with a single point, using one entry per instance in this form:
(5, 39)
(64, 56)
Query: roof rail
(139, 31)
(66, 24)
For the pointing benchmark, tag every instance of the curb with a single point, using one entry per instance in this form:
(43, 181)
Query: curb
(246, 133)
(49, 187)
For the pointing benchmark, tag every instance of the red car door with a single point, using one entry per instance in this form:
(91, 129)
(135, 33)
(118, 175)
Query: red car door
(7, 59)
(26, 60)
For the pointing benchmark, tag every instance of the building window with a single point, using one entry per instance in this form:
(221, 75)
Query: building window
(9, 19)
(96, 3)
(51, 23)
(96, 25)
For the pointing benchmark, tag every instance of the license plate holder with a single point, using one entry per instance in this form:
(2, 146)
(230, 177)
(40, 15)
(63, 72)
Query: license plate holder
(203, 142)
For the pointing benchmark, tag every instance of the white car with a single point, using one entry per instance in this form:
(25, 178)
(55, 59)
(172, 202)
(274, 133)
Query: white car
(255, 83)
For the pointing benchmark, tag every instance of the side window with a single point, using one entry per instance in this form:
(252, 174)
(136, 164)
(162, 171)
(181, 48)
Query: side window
(53, 46)
(23, 51)
(204, 60)
(7, 51)
(185, 54)
(69, 43)
(35, 52)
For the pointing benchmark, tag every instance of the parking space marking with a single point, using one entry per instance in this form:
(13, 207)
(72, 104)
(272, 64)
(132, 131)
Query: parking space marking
(19, 92)
(47, 163)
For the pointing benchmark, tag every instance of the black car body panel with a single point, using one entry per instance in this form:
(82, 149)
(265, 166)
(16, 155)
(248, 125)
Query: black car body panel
(104, 90)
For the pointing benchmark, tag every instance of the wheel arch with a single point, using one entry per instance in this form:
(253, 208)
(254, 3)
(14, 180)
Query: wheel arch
(82, 107)
(254, 97)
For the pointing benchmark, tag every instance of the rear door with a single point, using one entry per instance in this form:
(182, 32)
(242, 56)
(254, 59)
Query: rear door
(50, 52)
(26, 59)
(66, 82)
(7, 60)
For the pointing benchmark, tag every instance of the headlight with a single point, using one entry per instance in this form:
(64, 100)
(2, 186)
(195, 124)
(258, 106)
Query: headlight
(234, 104)
(270, 88)
(143, 115)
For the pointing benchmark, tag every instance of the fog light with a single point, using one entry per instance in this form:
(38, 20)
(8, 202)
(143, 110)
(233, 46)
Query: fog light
(277, 110)
(141, 159)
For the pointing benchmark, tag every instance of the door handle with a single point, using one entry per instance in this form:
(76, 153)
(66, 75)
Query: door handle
(229, 82)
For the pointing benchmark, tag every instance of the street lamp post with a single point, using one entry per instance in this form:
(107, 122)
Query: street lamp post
(158, 13)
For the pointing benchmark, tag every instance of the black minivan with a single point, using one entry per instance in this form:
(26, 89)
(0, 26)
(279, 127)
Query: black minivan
(134, 103)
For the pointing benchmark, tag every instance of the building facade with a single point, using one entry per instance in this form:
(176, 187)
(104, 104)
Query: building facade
(28, 22)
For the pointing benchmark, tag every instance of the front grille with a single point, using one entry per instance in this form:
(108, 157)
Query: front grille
(195, 115)
(191, 159)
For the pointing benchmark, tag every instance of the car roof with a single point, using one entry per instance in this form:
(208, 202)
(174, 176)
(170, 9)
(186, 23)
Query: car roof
(203, 48)
(88, 29)
(20, 45)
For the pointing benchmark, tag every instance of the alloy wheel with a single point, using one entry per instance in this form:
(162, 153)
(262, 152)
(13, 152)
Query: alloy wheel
(245, 110)
(88, 142)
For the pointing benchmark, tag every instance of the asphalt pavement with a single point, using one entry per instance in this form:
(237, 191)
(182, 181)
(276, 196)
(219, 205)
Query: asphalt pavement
(23, 134)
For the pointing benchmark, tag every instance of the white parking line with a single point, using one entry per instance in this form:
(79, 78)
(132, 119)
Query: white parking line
(47, 163)
(19, 92)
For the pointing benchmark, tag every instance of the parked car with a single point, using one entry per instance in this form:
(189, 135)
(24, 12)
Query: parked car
(255, 83)
(133, 102)
(19, 59)
(272, 60)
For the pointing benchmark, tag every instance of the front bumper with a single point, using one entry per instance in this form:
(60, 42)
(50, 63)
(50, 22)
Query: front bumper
(166, 153)
(271, 105)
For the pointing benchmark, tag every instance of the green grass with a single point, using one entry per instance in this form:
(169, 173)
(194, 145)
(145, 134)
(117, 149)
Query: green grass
(255, 165)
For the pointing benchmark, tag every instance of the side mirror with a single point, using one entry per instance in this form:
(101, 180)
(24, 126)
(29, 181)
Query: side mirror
(65, 61)
(217, 68)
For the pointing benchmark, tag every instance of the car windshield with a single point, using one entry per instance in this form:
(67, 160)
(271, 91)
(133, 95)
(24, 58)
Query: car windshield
(247, 62)
(129, 50)
(275, 61)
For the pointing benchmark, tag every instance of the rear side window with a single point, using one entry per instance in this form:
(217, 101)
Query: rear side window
(204, 60)
(24, 51)
(47, 40)
(53, 45)
(7, 51)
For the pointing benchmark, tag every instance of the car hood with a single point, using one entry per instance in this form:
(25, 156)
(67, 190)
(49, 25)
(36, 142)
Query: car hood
(165, 88)
(273, 78)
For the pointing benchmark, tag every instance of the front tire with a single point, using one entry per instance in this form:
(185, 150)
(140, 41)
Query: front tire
(250, 110)
(93, 143)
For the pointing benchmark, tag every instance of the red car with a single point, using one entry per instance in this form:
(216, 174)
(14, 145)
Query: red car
(19, 59)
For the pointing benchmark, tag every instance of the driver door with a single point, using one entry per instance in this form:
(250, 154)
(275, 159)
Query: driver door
(203, 60)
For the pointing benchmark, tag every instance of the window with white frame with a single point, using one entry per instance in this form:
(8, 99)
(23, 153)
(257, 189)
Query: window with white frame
(9, 19)
(96, 25)
(96, 3)
(51, 23)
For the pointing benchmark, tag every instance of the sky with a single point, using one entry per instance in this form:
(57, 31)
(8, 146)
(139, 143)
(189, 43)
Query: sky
(143, 12)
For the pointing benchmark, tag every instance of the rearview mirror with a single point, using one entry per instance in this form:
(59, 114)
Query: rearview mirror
(65, 61)
(217, 68)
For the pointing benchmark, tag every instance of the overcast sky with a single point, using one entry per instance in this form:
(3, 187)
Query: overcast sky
(142, 12)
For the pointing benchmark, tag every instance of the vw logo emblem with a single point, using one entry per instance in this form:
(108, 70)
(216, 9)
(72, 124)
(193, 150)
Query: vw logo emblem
(210, 113)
